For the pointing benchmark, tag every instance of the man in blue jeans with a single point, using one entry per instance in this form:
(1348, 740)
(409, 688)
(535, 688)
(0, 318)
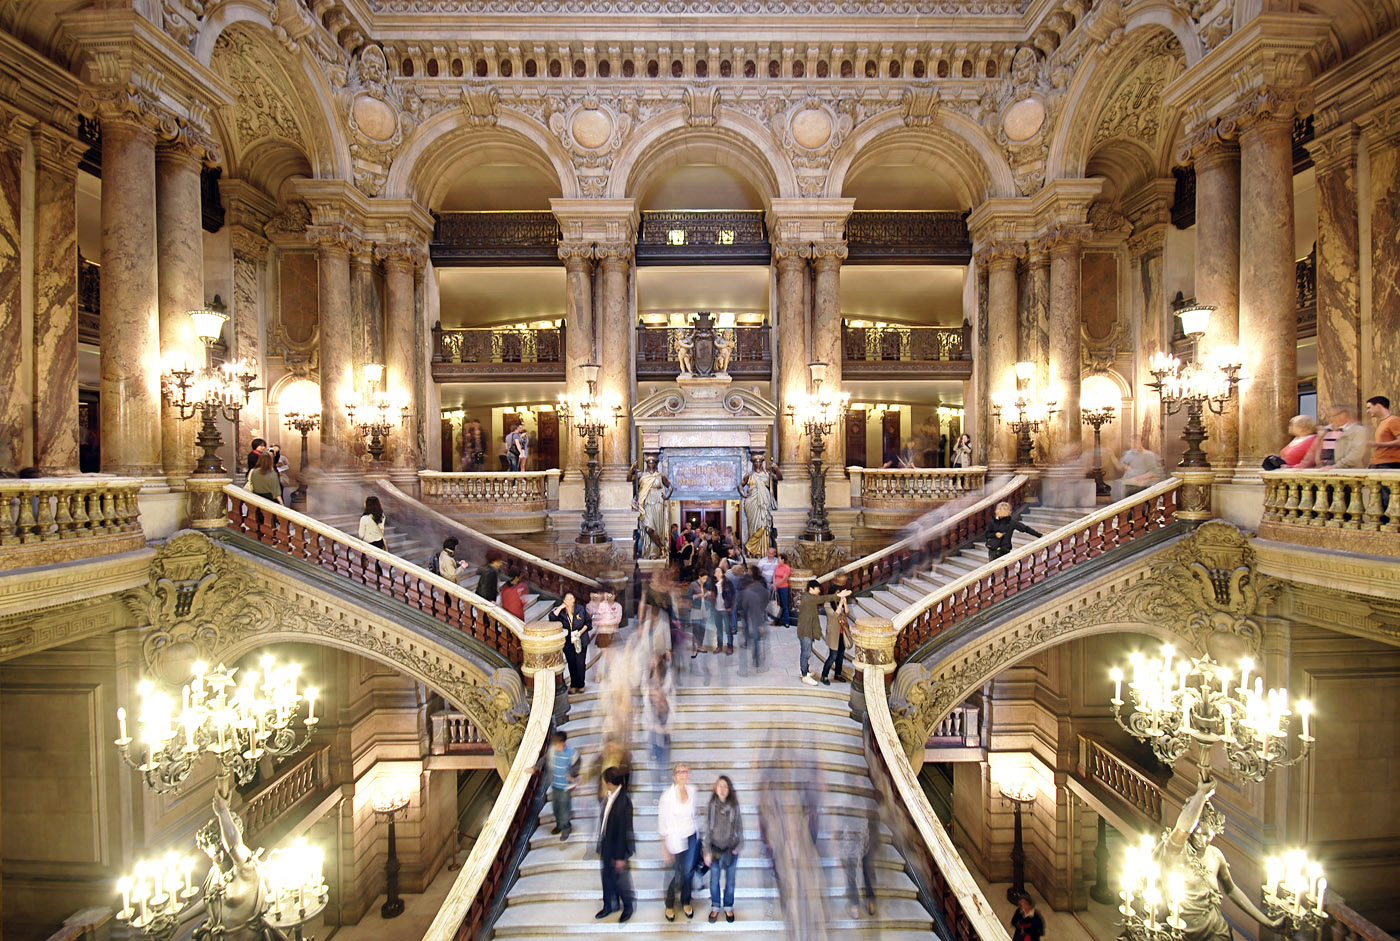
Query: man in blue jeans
(561, 780)
(809, 626)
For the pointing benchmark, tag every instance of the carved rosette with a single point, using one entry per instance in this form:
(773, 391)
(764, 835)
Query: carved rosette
(874, 640)
(542, 644)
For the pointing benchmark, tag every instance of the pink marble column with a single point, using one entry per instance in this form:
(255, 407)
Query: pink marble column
(249, 253)
(789, 335)
(1382, 371)
(614, 355)
(55, 305)
(1000, 260)
(826, 337)
(366, 309)
(1065, 343)
(1338, 270)
(1037, 318)
(400, 348)
(1218, 272)
(1268, 290)
(1145, 250)
(130, 332)
(578, 340)
(335, 332)
(14, 406)
(180, 255)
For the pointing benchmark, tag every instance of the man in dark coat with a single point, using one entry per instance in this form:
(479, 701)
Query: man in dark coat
(616, 845)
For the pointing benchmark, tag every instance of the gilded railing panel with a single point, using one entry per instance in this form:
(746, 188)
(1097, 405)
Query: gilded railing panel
(505, 352)
(495, 238)
(896, 235)
(691, 236)
(44, 520)
(1350, 510)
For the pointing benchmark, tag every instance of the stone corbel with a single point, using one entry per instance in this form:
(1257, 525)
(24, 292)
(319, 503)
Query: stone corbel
(479, 102)
(15, 128)
(921, 103)
(701, 106)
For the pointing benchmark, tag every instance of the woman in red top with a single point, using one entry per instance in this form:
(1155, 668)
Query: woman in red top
(782, 575)
(1298, 452)
(513, 595)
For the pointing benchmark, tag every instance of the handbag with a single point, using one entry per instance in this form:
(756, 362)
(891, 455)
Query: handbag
(775, 607)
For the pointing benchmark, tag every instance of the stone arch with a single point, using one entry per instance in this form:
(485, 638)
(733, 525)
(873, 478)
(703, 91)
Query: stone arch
(421, 170)
(949, 141)
(1095, 86)
(324, 142)
(667, 142)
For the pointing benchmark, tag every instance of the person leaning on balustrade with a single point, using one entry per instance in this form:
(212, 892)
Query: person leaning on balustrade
(1344, 443)
(1299, 453)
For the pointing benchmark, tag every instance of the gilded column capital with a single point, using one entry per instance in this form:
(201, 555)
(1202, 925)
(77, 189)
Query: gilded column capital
(790, 252)
(829, 253)
(334, 237)
(613, 253)
(1063, 239)
(575, 254)
(1002, 253)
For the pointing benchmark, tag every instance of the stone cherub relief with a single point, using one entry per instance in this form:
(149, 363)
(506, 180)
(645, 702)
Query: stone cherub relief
(1204, 589)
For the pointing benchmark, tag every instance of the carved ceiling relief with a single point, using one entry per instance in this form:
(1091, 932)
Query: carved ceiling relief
(379, 116)
(262, 111)
(204, 603)
(1134, 108)
(1204, 590)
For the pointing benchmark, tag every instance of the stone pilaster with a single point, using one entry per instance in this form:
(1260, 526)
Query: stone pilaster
(1066, 249)
(1338, 269)
(249, 256)
(1036, 319)
(1217, 163)
(368, 343)
(130, 337)
(615, 378)
(1145, 249)
(15, 403)
(55, 303)
(826, 335)
(400, 348)
(1383, 366)
(180, 257)
(577, 257)
(1000, 259)
(793, 351)
(1268, 291)
(335, 329)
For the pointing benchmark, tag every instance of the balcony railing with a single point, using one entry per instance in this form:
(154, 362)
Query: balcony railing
(1351, 510)
(292, 786)
(62, 519)
(907, 351)
(703, 237)
(961, 728)
(917, 488)
(495, 238)
(489, 491)
(452, 733)
(909, 236)
(1101, 765)
(656, 352)
(461, 355)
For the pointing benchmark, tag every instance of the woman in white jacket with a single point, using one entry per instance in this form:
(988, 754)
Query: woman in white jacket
(678, 827)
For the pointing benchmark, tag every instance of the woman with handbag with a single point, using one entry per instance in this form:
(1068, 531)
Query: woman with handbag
(838, 632)
(578, 626)
(724, 834)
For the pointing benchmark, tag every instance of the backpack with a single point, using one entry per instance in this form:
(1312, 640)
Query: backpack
(432, 565)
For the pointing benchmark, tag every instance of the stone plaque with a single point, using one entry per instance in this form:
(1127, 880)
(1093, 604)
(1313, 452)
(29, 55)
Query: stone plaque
(705, 474)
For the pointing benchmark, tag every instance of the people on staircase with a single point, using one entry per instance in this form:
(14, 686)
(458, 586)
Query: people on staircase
(447, 565)
(616, 846)
(659, 698)
(563, 775)
(577, 627)
(753, 610)
(488, 576)
(372, 523)
(782, 585)
(513, 595)
(263, 482)
(724, 834)
(838, 633)
(606, 615)
(857, 843)
(809, 626)
(702, 609)
(725, 597)
(678, 826)
(999, 531)
(1026, 923)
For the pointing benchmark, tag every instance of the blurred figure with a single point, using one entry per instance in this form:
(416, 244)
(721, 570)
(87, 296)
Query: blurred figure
(1141, 468)
(724, 834)
(659, 693)
(1026, 923)
(753, 611)
(999, 530)
(513, 595)
(563, 760)
(616, 845)
(605, 614)
(857, 843)
(1298, 453)
(678, 827)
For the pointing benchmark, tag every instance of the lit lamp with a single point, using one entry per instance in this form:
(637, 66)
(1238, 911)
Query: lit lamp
(300, 404)
(1021, 794)
(1208, 381)
(1098, 403)
(388, 804)
(1031, 410)
(591, 417)
(818, 414)
(376, 426)
(208, 392)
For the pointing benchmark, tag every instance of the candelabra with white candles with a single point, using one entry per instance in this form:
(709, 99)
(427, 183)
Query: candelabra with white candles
(1151, 898)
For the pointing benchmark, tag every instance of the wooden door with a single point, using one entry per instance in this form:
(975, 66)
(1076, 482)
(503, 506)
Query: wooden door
(889, 438)
(547, 447)
(855, 438)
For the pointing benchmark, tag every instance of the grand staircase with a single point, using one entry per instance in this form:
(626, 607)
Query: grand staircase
(889, 599)
(780, 735)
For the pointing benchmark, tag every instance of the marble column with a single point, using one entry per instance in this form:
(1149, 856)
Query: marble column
(180, 255)
(826, 337)
(1145, 249)
(130, 331)
(793, 353)
(366, 309)
(1268, 288)
(615, 376)
(55, 304)
(1000, 261)
(14, 405)
(1381, 371)
(1218, 272)
(1037, 317)
(335, 334)
(578, 340)
(400, 349)
(1064, 347)
(1338, 270)
(249, 252)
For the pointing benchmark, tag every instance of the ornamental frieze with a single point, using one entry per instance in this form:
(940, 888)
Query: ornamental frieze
(721, 7)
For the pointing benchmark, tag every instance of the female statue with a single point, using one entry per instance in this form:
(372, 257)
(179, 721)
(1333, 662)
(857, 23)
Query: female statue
(653, 490)
(757, 491)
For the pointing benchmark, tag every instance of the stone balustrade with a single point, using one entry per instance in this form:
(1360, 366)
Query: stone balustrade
(293, 785)
(490, 492)
(61, 519)
(1098, 763)
(960, 728)
(917, 488)
(453, 733)
(1352, 510)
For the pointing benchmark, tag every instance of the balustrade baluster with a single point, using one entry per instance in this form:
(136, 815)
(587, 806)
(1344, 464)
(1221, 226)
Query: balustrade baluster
(1338, 507)
(1307, 496)
(27, 526)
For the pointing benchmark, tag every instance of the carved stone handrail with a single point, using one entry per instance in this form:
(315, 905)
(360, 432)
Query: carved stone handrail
(916, 487)
(538, 573)
(960, 528)
(291, 786)
(488, 491)
(308, 539)
(451, 733)
(1347, 924)
(45, 520)
(1353, 510)
(939, 872)
(1095, 534)
(1098, 762)
(488, 869)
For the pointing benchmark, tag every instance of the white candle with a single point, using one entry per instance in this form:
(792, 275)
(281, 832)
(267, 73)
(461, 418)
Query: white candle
(124, 886)
(121, 727)
(311, 693)
(1246, 666)
(1321, 894)
(1115, 674)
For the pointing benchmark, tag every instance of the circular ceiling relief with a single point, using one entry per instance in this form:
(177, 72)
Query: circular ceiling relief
(375, 119)
(1023, 120)
(592, 128)
(811, 128)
